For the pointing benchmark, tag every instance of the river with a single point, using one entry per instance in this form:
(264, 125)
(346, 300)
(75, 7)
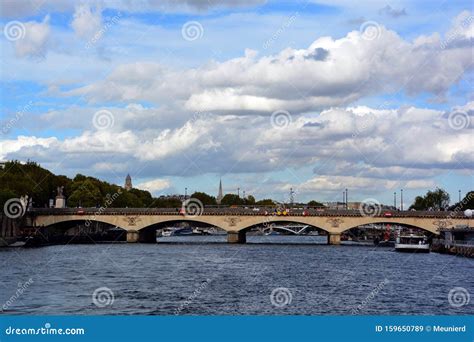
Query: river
(270, 275)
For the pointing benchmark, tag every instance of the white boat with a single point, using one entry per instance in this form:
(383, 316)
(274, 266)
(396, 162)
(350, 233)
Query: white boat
(412, 243)
(17, 244)
(167, 232)
(176, 231)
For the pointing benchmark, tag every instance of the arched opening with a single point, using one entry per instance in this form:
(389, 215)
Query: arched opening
(182, 231)
(77, 232)
(382, 233)
(284, 232)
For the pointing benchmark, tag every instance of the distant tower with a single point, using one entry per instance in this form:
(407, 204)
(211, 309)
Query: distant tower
(128, 182)
(220, 195)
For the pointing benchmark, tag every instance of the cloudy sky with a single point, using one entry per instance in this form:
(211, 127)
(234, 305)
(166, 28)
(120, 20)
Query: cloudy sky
(317, 96)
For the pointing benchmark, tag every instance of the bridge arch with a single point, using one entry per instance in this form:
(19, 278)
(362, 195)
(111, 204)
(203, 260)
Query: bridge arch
(269, 221)
(178, 219)
(381, 221)
(71, 223)
(147, 233)
(80, 231)
(50, 221)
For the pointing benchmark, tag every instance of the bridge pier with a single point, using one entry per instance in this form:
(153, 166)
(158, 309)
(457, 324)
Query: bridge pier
(236, 237)
(132, 236)
(334, 239)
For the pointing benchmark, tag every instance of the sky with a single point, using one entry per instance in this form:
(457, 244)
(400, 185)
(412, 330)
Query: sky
(314, 96)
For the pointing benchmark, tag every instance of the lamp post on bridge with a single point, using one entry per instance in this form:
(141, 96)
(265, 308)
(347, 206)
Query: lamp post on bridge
(347, 201)
(185, 194)
(238, 192)
(459, 196)
(395, 199)
(401, 199)
(343, 199)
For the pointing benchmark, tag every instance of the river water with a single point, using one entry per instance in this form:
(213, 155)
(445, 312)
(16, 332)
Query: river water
(200, 276)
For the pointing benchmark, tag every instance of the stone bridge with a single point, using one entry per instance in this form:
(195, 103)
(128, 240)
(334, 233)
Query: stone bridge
(237, 221)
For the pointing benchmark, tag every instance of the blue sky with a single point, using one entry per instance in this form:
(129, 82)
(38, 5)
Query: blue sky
(317, 96)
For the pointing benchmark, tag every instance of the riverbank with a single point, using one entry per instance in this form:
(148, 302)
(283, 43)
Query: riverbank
(464, 249)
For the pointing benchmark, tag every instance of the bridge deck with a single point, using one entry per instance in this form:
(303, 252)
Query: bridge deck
(263, 211)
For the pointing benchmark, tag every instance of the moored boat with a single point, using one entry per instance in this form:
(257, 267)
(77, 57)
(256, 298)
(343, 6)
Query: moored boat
(412, 243)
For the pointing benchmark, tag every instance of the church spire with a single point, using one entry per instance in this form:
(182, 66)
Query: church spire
(220, 195)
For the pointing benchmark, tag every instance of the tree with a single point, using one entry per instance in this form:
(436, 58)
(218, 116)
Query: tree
(85, 194)
(466, 203)
(231, 199)
(314, 203)
(249, 200)
(166, 203)
(419, 203)
(204, 198)
(5, 195)
(266, 201)
(433, 200)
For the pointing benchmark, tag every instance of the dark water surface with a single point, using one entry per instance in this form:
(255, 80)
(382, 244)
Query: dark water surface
(218, 278)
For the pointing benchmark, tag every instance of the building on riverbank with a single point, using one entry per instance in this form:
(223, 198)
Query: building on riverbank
(458, 240)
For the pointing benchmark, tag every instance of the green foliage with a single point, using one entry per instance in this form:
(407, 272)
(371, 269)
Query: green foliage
(266, 201)
(314, 203)
(5, 195)
(17, 179)
(249, 200)
(433, 200)
(232, 199)
(84, 194)
(466, 203)
(204, 198)
(30, 179)
(166, 203)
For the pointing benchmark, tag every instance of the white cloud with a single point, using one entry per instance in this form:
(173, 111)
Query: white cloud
(101, 142)
(215, 117)
(336, 183)
(420, 184)
(155, 185)
(9, 147)
(297, 80)
(35, 40)
(87, 21)
(359, 141)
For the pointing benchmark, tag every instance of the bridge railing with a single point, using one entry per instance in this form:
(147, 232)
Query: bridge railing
(255, 211)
